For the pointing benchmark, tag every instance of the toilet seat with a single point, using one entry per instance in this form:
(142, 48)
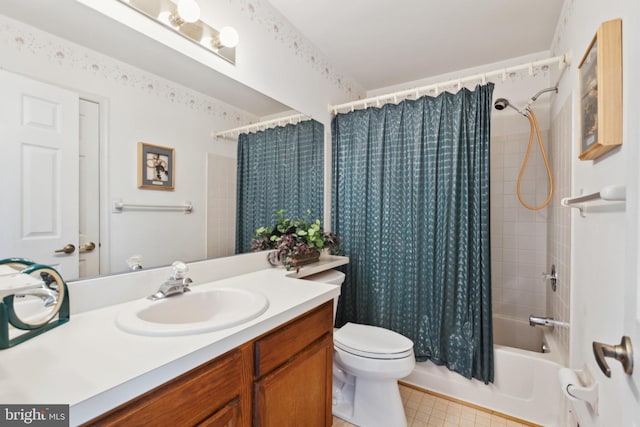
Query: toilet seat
(372, 342)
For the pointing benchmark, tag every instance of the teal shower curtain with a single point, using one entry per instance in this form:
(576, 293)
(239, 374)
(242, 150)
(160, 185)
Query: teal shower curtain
(411, 204)
(278, 168)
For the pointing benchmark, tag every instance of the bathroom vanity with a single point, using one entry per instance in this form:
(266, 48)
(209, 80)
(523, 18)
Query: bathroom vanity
(274, 370)
(288, 372)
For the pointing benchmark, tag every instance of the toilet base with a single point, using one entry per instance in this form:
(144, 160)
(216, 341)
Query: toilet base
(368, 403)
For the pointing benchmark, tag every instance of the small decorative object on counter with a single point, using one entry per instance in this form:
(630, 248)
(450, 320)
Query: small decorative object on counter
(294, 242)
(33, 299)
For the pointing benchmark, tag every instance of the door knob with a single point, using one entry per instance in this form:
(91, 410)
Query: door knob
(623, 353)
(68, 249)
(87, 247)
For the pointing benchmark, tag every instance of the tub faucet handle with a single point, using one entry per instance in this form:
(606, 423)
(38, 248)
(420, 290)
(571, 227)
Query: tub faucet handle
(551, 277)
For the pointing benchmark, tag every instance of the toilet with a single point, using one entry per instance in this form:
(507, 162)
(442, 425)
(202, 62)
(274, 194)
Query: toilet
(368, 361)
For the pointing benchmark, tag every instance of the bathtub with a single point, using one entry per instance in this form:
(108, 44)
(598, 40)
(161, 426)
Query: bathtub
(517, 333)
(525, 382)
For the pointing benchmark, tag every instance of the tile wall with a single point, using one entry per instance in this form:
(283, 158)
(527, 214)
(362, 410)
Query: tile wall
(518, 235)
(221, 206)
(559, 227)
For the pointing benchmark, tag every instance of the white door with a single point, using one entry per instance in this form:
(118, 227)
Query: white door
(630, 386)
(39, 173)
(89, 244)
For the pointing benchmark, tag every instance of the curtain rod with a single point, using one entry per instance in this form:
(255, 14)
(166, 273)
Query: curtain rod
(435, 88)
(293, 119)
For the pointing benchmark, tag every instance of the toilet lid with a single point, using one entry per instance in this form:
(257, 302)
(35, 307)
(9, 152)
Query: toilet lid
(372, 342)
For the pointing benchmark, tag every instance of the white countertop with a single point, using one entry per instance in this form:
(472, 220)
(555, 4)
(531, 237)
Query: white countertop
(92, 365)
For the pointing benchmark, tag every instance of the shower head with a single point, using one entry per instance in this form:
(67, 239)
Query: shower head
(501, 104)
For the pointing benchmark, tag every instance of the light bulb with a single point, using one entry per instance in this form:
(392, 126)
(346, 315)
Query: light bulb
(207, 42)
(188, 10)
(228, 37)
(169, 19)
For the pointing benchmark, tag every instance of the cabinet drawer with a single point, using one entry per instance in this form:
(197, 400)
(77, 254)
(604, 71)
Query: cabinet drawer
(189, 399)
(277, 347)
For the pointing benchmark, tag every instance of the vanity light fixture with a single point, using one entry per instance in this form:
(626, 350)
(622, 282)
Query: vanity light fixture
(189, 10)
(228, 37)
(183, 17)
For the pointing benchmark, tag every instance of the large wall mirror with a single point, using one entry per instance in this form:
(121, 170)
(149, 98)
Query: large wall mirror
(118, 88)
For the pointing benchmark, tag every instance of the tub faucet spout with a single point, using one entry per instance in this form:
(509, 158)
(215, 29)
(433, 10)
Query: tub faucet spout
(536, 320)
(545, 321)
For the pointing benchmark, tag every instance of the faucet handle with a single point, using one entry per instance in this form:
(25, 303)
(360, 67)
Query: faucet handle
(179, 269)
(551, 277)
(135, 262)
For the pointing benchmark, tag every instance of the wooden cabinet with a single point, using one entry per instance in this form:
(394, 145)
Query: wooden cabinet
(282, 378)
(293, 368)
(216, 393)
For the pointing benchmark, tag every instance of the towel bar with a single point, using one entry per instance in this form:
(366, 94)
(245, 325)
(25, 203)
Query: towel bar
(610, 193)
(119, 206)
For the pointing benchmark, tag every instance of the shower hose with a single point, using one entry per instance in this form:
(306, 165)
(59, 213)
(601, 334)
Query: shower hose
(533, 124)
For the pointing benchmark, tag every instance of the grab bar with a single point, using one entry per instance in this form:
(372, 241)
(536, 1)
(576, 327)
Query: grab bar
(610, 193)
(119, 206)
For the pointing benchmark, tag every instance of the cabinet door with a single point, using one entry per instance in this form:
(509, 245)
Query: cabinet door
(298, 393)
(229, 416)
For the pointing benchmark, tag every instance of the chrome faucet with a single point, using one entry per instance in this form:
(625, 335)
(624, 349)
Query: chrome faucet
(545, 321)
(26, 285)
(177, 284)
(48, 296)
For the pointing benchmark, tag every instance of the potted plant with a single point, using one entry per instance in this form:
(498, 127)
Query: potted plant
(294, 241)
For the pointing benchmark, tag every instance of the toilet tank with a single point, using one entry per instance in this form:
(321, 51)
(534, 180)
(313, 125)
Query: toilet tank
(331, 277)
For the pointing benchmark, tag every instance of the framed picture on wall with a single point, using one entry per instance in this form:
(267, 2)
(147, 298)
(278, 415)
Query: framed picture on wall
(156, 167)
(600, 73)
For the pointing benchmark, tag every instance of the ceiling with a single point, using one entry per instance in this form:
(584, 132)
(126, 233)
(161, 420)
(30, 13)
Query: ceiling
(382, 43)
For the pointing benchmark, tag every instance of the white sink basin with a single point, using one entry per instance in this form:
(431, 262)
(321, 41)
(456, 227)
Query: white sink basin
(193, 312)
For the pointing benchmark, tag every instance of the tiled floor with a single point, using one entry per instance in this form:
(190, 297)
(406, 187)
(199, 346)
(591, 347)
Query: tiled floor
(427, 410)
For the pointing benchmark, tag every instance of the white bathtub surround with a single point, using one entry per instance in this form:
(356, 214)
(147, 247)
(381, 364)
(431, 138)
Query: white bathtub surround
(525, 385)
(94, 366)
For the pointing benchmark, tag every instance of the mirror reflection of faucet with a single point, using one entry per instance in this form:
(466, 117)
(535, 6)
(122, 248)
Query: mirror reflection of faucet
(177, 284)
(546, 321)
(48, 296)
(20, 279)
(135, 262)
